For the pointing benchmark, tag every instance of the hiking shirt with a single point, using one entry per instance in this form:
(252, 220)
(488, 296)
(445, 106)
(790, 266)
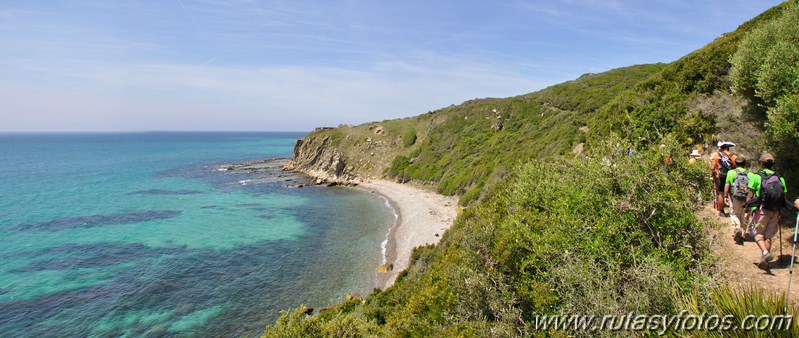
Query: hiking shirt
(734, 173)
(754, 182)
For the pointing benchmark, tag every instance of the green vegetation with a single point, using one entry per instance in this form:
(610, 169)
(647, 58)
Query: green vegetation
(593, 236)
(548, 232)
(766, 72)
(468, 151)
(409, 138)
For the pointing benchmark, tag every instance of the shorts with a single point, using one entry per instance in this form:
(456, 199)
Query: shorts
(720, 183)
(767, 223)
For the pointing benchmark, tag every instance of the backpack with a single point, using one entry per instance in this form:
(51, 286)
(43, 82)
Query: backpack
(740, 186)
(772, 191)
(725, 164)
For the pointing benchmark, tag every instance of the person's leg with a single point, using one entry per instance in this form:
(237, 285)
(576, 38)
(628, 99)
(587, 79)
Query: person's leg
(738, 207)
(738, 211)
(763, 244)
(720, 196)
(764, 232)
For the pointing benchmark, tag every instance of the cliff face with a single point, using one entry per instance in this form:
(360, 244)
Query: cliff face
(319, 158)
(348, 153)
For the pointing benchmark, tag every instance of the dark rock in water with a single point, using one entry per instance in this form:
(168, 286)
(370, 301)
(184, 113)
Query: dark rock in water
(75, 256)
(208, 207)
(302, 184)
(165, 192)
(98, 220)
(184, 308)
(436, 234)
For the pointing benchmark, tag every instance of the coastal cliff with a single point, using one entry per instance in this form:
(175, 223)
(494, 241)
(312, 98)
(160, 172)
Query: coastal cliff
(349, 154)
(316, 157)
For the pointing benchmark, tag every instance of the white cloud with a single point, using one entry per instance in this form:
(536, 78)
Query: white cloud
(175, 96)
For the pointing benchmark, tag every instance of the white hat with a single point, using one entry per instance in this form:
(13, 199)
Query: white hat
(725, 143)
(695, 153)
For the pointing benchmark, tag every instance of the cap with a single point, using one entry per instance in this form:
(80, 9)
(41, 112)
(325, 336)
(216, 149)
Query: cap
(766, 157)
(695, 153)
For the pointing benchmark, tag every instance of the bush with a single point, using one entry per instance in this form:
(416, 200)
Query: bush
(765, 70)
(409, 138)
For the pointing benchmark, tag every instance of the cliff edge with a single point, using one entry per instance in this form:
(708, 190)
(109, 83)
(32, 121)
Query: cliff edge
(318, 158)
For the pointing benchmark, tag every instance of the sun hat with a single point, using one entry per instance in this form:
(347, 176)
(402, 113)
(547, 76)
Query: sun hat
(725, 144)
(695, 153)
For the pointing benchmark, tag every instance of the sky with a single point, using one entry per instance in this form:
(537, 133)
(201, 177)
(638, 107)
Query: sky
(242, 65)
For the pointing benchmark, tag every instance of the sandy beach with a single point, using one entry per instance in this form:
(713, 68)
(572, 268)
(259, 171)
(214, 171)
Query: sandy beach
(422, 215)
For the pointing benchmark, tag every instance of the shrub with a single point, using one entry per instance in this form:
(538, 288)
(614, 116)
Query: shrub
(765, 70)
(409, 138)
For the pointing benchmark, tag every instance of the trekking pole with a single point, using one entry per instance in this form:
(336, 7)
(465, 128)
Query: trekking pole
(790, 272)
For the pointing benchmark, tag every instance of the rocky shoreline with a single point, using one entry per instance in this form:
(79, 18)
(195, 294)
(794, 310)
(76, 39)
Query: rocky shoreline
(278, 170)
(422, 215)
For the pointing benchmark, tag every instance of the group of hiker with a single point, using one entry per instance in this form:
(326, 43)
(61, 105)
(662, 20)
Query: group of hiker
(754, 197)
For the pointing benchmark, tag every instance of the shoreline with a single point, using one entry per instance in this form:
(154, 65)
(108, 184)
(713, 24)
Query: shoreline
(422, 216)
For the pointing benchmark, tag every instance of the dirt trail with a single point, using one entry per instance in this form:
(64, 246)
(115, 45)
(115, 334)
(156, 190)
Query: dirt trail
(737, 264)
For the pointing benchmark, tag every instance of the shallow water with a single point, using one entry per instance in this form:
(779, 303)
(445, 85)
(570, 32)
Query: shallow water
(143, 235)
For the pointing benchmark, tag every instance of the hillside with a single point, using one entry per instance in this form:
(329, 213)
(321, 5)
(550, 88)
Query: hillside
(547, 232)
(486, 136)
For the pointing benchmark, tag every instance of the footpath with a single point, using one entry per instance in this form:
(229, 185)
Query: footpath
(737, 264)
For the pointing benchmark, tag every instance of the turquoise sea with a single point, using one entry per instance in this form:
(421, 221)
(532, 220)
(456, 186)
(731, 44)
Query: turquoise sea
(145, 235)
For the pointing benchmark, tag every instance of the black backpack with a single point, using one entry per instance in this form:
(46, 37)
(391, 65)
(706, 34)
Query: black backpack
(772, 191)
(725, 164)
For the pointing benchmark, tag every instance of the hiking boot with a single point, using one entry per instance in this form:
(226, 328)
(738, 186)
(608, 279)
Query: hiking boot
(738, 236)
(763, 265)
(768, 257)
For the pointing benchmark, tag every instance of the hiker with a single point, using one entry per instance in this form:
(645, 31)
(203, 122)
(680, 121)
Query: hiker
(770, 188)
(736, 191)
(723, 162)
(695, 155)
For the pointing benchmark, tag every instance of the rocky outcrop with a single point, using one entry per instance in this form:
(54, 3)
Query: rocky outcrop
(385, 268)
(319, 158)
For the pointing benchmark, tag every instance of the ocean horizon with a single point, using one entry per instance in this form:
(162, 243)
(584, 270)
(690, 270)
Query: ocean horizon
(150, 234)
